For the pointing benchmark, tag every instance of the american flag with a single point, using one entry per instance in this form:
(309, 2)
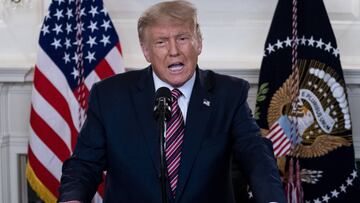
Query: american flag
(78, 47)
(280, 136)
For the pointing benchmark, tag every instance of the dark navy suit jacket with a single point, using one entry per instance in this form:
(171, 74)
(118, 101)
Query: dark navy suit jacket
(120, 136)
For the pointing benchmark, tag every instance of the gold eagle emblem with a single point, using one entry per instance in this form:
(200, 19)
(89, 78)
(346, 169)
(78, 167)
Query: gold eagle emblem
(322, 114)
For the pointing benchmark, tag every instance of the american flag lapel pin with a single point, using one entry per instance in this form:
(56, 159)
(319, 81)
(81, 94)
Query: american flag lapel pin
(206, 102)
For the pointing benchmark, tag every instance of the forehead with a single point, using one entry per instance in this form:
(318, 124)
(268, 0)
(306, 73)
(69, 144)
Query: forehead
(167, 29)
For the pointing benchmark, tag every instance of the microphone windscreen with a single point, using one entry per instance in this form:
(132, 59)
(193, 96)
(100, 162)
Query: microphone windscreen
(162, 103)
(163, 92)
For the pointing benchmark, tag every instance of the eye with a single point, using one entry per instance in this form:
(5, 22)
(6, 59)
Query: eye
(183, 38)
(160, 43)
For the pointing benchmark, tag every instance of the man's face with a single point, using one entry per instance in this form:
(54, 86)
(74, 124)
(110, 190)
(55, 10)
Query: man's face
(173, 50)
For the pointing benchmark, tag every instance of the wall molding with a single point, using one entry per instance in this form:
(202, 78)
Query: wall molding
(19, 74)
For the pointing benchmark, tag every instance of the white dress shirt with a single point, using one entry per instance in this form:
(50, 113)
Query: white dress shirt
(186, 90)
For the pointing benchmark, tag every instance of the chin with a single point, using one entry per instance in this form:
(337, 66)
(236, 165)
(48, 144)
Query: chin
(177, 84)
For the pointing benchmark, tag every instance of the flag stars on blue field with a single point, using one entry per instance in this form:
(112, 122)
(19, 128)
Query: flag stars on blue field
(59, 14)
(250, 195)
(328, 47)
(57, 29)
(90, 56)
(336, 52)
(326, 198)
(106, 24)
(56, 43)
(66, 58)
(105, 40)
(334, 193)
(270, 48)
(68, 28)
(354, 174)
(92, 26)
(104, 11)
(303, 41)
(93, 11)
(67, 43)
(317, 201)
(75, 57)
(45, 30)
(319, 44)
(91, 41)
(47, 16)
(343, 188)
(311, 41)
(82, 12)
(60, 1)
(288, 42)
(279, 44)
(69, 13)
(349, 181)
(75, 73)
(59, 37)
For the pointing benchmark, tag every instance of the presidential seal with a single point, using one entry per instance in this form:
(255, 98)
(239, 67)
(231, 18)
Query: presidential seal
(321, 113)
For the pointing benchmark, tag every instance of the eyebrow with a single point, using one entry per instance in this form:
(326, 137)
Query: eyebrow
(185, 33)
(178, 35)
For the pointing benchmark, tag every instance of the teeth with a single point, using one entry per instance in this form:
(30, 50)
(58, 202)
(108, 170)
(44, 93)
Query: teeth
(177, 66)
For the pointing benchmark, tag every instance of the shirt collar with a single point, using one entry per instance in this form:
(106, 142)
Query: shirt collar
(185, 89)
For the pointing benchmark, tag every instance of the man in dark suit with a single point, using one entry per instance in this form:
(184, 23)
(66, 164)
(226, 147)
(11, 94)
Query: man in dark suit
(211, 123)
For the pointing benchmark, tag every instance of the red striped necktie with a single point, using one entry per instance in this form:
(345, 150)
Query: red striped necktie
(174, 140)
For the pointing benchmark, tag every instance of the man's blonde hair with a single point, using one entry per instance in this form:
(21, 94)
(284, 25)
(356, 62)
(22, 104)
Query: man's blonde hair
(181, 11)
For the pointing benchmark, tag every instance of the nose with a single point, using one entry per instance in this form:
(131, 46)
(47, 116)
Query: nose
(173, 48)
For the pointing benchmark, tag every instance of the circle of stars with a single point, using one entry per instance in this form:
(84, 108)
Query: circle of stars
(303, 41)
(334, 194)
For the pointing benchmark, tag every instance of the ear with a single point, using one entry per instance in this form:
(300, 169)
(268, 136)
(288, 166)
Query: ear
(199, 47)
(145, 51)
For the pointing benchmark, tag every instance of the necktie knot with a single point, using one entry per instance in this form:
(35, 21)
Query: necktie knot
(176, 93)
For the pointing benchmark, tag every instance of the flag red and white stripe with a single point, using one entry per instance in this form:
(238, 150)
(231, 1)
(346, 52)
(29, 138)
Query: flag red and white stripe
(281, 143)
(55, 107)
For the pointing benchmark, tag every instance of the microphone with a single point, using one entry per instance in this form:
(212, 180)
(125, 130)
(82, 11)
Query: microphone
(162, 109)
(162, 113)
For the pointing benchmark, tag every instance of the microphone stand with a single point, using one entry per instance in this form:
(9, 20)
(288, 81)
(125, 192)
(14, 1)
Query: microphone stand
(162, 128)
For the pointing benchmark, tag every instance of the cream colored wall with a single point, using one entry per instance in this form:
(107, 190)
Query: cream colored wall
(234, 31)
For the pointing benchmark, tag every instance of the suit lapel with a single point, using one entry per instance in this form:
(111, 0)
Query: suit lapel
(196, 122)
(143, 96)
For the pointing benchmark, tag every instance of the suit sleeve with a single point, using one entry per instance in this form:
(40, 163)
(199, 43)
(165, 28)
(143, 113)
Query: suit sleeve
(255, 155)
(82, 172)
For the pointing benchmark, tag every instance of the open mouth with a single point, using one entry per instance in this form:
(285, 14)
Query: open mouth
(176, 67)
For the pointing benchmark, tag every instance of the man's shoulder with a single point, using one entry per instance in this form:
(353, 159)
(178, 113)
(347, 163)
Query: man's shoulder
(224, 80)
(125, 79)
